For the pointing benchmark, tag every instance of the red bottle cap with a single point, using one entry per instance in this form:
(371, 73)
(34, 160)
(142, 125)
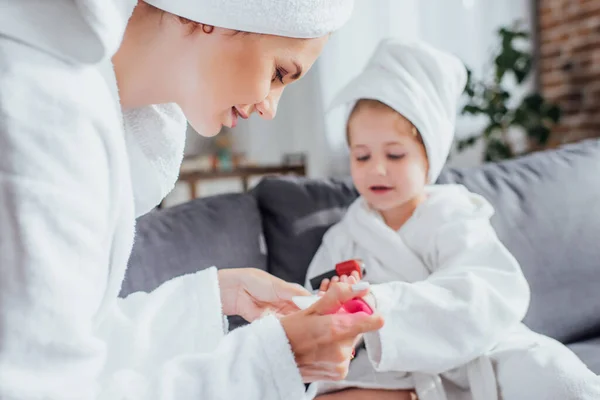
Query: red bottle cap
(347, 267)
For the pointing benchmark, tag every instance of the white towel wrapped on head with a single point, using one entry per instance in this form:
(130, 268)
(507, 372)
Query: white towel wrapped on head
(95, 28)
(290, 18)
(420, 82)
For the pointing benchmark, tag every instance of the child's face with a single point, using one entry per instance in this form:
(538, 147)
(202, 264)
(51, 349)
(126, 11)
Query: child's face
(388, 162)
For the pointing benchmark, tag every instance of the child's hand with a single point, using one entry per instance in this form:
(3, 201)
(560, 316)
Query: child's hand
(352, 279)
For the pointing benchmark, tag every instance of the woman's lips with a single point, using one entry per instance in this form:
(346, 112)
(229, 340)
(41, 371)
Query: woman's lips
(234, 117)
(236, 113)
(241, 113)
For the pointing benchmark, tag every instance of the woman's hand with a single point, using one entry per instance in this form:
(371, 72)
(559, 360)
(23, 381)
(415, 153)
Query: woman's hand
(322, 341)
(251, 293)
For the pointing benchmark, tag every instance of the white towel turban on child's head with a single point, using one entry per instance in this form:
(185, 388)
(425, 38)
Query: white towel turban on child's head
(290, 18)
(418, 81)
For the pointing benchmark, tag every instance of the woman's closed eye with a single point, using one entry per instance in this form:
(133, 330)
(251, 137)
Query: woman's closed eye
(362, 158)
(279, 74)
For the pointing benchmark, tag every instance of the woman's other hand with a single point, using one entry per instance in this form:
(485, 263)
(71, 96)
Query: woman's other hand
(251, 293)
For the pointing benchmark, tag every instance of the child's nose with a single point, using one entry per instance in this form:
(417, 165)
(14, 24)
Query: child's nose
(380, 168)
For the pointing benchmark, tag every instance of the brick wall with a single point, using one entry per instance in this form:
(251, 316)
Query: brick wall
(568, 33)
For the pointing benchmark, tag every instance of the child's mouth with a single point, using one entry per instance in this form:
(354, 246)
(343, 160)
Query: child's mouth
(380, 189)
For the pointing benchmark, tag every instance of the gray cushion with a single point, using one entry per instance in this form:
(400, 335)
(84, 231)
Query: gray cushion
(296, 213)
(547, 213)
(589, 352)
(224, 231)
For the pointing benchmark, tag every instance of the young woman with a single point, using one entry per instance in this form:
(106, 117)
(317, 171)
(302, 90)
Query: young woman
(68, 71)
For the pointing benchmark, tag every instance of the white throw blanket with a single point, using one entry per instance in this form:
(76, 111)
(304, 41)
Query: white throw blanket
(449, 291)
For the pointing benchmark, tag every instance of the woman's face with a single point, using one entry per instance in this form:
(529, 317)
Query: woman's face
(216, 75)
(227, 75)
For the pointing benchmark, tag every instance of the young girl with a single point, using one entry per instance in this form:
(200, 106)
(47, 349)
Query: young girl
(452, 295)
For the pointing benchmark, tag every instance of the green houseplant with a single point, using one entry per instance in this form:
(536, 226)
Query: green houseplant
(533, 115)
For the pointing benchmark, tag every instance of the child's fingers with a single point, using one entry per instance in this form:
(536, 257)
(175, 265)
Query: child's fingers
(321, 293)
(335, 279)
(356, 275)
(344, 279)
(324, 285)
(352, 280)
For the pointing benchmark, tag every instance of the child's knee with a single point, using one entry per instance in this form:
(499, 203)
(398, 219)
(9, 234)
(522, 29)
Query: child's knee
(545, 372)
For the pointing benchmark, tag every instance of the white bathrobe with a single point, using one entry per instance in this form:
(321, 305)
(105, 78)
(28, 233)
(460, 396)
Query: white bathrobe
(452, 297)
(66, 230)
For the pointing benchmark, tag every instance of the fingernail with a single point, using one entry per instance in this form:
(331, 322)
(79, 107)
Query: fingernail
(360, 286)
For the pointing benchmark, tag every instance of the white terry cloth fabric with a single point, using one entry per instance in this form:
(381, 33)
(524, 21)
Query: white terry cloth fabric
(84, 31)
(452, 297)
(420, 82)
(96, 27)
(155, 137)
(290, 18)
(66, 229)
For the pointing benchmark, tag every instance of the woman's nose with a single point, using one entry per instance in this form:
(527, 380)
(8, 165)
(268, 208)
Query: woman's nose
(267, 108)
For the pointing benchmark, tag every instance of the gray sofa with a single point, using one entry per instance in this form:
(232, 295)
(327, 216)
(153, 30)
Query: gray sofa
(547, 213)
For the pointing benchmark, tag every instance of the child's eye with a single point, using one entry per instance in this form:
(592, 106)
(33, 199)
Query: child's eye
(396, 156)
(362, 158)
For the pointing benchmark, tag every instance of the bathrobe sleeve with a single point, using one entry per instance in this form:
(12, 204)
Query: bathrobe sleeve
(475, 294)
(170, 344)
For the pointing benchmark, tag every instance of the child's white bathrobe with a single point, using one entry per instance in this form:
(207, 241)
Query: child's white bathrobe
(453, 298)
(66, 230)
